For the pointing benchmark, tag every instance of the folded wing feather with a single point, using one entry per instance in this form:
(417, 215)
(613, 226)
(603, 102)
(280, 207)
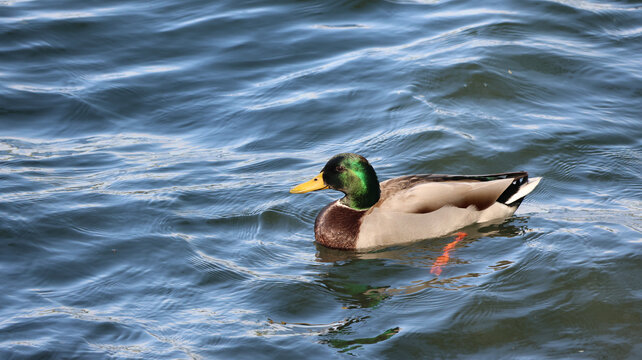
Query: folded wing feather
(427, 197)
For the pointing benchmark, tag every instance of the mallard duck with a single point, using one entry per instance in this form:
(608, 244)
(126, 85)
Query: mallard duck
(407, 208)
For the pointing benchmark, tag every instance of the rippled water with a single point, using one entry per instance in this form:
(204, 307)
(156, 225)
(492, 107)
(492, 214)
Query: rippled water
(147, 149)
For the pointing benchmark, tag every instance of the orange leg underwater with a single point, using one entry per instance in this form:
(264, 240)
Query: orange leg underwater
(443, 259)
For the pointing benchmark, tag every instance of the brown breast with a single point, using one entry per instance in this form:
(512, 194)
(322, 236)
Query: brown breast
(337, 226)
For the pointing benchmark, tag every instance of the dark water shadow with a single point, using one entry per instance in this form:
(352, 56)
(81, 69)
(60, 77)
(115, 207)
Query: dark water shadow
(345, 346)
(330, 334)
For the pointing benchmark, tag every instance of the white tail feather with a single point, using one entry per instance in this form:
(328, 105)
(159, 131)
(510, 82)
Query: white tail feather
(524, 190)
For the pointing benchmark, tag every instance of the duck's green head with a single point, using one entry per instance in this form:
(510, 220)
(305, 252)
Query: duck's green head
(349, 173)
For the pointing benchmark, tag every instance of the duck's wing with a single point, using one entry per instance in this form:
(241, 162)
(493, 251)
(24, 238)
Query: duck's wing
(426, 193)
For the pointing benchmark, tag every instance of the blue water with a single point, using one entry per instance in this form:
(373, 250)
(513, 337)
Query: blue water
(147, 150)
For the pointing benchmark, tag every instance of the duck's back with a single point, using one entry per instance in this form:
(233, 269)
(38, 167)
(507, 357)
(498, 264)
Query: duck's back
(424, 206)
(427, 193)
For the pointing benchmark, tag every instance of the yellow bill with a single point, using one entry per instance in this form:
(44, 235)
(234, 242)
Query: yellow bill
(315, 184)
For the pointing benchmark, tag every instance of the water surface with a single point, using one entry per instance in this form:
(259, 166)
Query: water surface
(147, 149)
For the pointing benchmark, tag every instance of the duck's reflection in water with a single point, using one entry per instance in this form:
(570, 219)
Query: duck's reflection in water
(363, 281)
(354, 274)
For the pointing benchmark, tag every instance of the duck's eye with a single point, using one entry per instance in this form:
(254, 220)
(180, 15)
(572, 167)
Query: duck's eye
(340, 168)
